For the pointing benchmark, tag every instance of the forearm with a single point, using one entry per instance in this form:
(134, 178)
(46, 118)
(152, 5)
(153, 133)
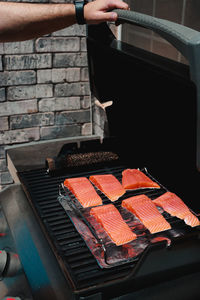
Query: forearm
(22, 21)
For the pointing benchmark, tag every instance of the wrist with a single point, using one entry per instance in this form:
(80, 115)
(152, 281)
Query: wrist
(79, 11)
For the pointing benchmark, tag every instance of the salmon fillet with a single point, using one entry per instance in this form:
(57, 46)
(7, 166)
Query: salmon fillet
(114, 225)
(172, 204)
(109, 185)
(147, 212)
(134, 179)
(84, 191)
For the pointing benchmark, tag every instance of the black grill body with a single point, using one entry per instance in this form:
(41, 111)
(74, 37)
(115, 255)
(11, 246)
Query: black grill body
(153, 123)
(158, 266)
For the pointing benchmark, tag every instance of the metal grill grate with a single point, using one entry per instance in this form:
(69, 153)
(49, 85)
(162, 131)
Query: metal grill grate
(42, 190)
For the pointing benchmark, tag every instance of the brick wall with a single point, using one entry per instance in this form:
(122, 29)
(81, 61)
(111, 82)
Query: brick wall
(44, 90)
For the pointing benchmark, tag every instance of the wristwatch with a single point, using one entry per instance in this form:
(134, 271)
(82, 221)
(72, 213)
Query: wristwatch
(79, 7)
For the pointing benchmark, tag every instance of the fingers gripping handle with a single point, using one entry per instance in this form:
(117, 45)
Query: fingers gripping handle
(184, 39)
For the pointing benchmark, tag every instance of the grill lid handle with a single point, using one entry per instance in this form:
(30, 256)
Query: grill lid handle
(184, 39)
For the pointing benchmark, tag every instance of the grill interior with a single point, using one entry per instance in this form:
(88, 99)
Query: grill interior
(76, 259)
(169, 153)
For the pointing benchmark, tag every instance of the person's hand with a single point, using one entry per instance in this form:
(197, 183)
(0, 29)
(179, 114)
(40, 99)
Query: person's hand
(100, 11)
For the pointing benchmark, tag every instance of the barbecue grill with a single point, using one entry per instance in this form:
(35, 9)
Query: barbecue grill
(153, 125)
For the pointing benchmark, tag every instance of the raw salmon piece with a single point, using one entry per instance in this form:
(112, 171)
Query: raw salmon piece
(109, 185)
(84, 191)
(147, 212)
(134, 179)
(114, 225)
(174, 205)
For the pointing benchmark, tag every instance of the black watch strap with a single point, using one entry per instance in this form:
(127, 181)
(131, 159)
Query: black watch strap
(79, 7)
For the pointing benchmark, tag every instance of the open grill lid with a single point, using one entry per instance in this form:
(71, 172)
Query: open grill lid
(116, 75)
(155, 103)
